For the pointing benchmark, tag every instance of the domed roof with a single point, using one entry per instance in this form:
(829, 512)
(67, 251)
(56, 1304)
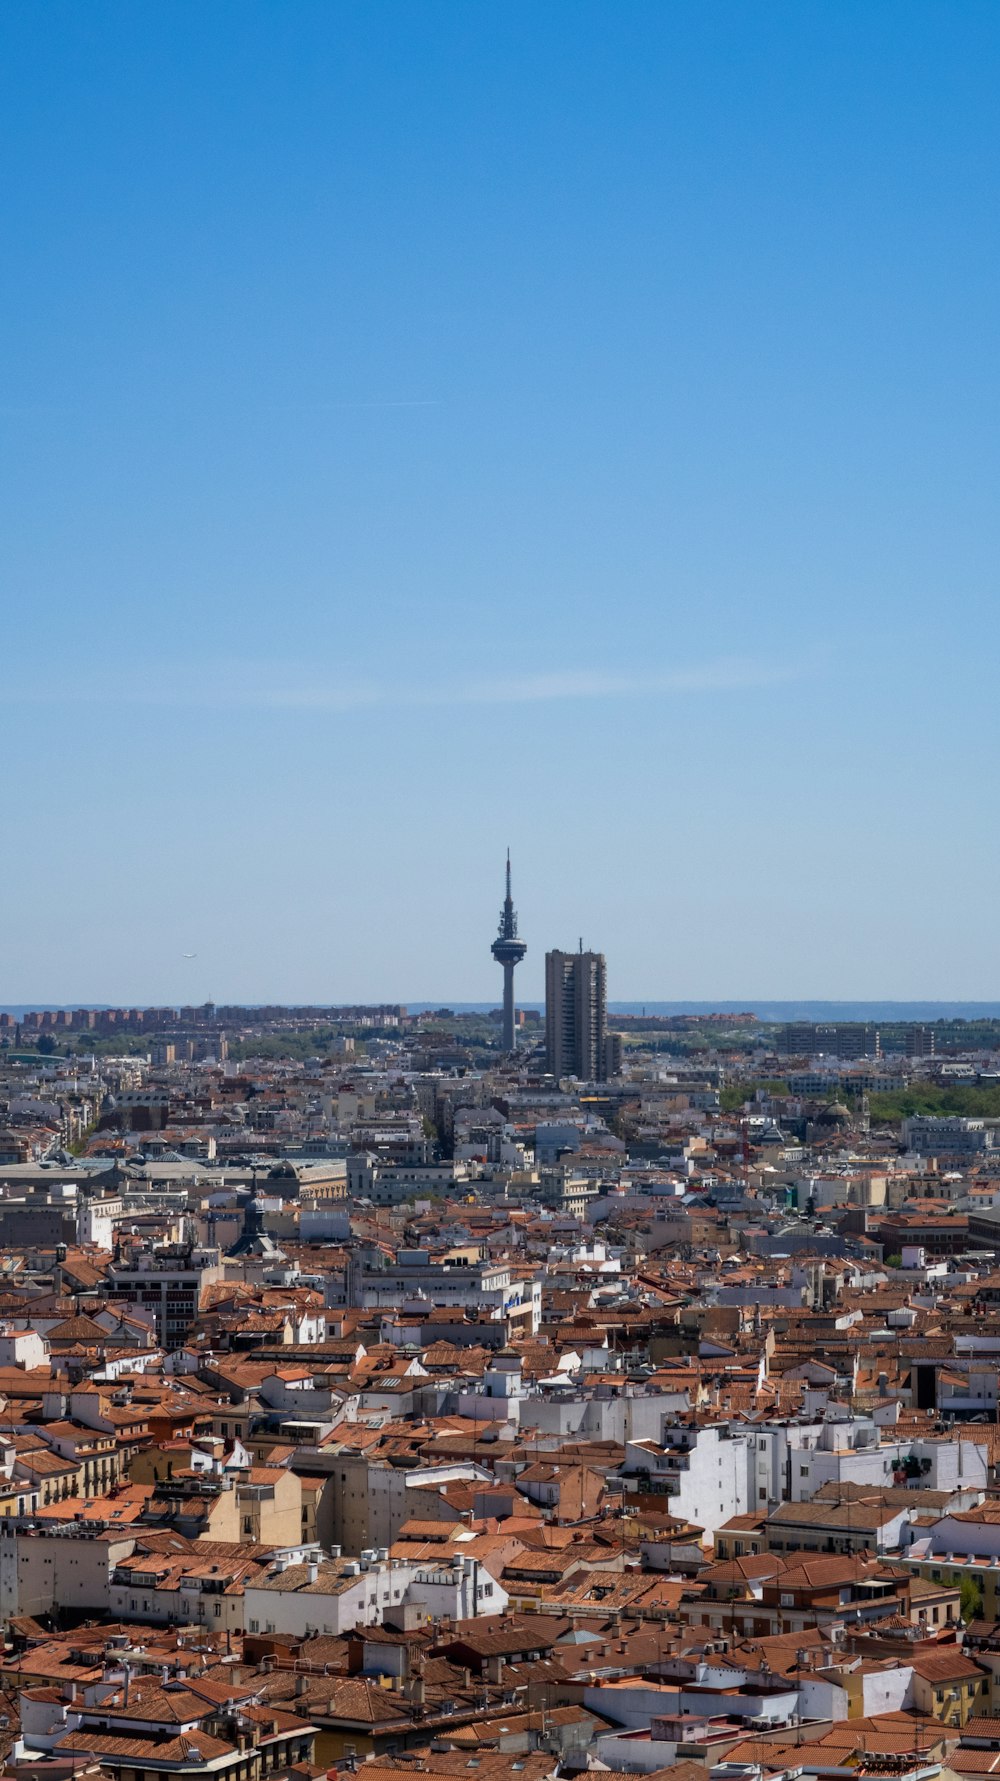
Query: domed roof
(834, 1114)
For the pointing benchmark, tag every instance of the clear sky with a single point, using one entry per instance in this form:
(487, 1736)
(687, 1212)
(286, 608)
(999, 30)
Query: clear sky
(437, 426)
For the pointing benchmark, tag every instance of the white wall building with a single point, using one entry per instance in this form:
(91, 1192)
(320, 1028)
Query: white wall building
(705, 1472)
(41, 1569)
(22, 1348)
(335, 1595)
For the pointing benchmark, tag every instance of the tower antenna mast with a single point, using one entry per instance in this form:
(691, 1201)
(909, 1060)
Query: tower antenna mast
(508, 950)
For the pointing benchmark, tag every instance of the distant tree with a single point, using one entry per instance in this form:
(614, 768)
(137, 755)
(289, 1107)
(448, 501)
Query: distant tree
(732, 1099)
(47, 1044)
(971, 1599)
(971, 1100)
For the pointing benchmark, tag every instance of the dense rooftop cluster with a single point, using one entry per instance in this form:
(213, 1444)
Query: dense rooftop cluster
(397, 1404)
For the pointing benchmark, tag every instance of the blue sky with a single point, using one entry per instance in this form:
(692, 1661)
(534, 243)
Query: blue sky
(430, 428)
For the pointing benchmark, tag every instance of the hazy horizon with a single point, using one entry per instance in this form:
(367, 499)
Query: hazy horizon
(766, 1011)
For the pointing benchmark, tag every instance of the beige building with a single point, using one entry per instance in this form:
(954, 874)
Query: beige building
(269, 1504)
(169, 1591)
(91, 1456)
(261, 1505)
(949, 1687)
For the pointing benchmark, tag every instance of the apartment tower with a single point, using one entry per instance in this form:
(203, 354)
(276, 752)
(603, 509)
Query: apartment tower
(576, 1014)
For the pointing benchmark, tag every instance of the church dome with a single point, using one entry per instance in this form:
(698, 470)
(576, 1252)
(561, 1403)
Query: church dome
(834, 1114)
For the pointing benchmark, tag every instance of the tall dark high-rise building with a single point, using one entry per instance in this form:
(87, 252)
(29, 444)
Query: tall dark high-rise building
(576, 1014)
(508, 951)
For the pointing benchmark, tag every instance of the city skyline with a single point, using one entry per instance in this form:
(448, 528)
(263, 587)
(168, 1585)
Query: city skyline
(431, 434)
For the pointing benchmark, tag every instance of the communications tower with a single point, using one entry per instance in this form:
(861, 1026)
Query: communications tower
(508, 951)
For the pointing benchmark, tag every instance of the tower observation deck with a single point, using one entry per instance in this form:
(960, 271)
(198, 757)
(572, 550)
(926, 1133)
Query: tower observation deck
(508, 951)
